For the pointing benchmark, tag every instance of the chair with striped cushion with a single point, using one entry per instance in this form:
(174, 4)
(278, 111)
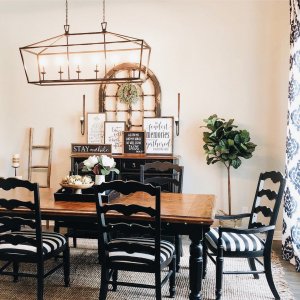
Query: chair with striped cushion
(22, 239)
(251, 243)
(136, 254)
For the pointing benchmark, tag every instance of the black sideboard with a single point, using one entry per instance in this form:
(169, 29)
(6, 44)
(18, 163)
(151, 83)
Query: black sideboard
(129, 164)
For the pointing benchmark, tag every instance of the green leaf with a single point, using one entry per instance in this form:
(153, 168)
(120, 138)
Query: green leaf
(209, 160)
(236, 163)
(243, 146)
(237, 139)
(230, 142)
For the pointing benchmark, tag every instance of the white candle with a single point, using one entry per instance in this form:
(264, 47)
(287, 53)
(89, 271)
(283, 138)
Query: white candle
(16, 160)
(81, 118)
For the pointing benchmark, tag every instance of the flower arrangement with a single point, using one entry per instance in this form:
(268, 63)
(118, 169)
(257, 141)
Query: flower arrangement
(77, 179)
(100, 165)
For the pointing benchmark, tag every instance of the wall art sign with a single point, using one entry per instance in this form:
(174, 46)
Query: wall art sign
(159, 135)
(134, 142)
(91, 148)
(95, 125)
(113, 134)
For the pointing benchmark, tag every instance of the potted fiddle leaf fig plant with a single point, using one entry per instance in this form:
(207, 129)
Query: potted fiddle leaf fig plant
(225, 143)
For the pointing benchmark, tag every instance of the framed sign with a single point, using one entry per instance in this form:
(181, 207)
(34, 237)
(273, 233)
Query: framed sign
(95, 125)
(134, 142)
(113, 134)
(159, 135)
(91, 148)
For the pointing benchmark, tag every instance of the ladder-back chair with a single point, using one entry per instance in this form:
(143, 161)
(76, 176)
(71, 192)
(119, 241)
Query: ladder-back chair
(253, 242)
(135, 254)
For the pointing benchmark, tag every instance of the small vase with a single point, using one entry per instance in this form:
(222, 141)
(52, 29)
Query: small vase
(99, 179)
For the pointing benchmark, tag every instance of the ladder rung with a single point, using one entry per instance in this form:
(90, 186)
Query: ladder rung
(39, 167)
(40, 147)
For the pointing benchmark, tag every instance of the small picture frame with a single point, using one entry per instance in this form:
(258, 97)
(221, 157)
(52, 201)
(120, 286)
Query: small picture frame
(159, 135)
(134, 142)
(95, 125)
(113, 134)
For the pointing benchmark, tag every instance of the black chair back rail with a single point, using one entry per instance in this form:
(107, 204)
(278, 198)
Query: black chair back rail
(169, 177)
(22, 239)
(120, 219)
(260, 232)
(164, 174)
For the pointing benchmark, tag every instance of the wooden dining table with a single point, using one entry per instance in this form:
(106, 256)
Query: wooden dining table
(185, 214)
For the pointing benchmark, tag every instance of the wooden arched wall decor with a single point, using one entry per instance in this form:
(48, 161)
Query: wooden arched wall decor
(146, 104)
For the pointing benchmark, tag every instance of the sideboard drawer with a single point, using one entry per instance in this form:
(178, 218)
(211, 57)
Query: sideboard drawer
(131, 164)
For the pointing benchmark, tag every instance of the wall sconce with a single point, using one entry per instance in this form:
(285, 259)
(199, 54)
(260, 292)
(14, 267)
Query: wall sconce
(82, 123)
(177, 119)
(15, 162)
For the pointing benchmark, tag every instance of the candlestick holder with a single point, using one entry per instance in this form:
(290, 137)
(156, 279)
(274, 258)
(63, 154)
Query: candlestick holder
(82, 123)
(82, 126)
(177, 127)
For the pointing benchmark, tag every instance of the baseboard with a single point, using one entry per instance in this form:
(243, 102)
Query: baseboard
(277, 235)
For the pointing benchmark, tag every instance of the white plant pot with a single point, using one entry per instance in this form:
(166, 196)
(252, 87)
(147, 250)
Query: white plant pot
(99, 179)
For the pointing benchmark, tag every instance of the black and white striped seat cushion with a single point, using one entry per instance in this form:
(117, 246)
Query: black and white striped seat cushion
(51, 242)
(235, 242)
(166, 251)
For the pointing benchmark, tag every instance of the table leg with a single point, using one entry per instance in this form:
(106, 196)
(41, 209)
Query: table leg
(196, 266)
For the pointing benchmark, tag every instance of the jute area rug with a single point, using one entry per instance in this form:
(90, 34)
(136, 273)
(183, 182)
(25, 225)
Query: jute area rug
(85, 280)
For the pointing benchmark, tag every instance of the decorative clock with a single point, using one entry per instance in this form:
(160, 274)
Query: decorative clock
(130, 101)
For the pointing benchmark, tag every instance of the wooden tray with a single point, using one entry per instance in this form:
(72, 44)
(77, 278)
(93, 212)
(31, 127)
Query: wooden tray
(67, 194)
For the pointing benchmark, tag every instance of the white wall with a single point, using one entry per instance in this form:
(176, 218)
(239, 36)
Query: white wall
(229, 57)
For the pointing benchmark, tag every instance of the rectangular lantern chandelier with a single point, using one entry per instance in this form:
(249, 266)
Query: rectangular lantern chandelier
(84, 58)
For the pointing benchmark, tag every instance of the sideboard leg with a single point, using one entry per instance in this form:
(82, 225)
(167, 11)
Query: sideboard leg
(196, 266)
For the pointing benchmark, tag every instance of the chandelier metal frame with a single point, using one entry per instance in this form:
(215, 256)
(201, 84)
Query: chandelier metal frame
(104, 45)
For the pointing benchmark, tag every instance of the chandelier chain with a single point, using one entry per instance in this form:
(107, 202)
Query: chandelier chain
(66, 12)
(103, 10)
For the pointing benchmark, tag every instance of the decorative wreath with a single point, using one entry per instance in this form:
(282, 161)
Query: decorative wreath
(128, 93)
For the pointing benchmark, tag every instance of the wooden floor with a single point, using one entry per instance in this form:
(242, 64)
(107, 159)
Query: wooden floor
(291, 276)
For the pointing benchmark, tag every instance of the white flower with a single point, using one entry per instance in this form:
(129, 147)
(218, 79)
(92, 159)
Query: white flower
(91, 161)
(107, 161)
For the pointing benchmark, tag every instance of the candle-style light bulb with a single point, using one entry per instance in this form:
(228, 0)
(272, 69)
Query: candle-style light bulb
(78, 71)
(43, 72)
(60, 72)
(96, 71)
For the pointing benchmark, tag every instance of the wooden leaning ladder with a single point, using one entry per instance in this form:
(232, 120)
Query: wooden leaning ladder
(32, 168)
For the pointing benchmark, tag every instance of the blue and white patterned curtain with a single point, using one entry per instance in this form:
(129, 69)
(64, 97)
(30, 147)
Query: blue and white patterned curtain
(291, 212)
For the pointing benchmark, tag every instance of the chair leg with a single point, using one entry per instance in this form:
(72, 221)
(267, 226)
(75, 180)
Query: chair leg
(251, 262)
(74, 238)
(204, 255)
(269, 276)
(16, 270)
(114, 279)
(178, 250)
(157, 285)
(219, 273)
(104, 283)
(172, 267)
(40, 281)
(66, 262)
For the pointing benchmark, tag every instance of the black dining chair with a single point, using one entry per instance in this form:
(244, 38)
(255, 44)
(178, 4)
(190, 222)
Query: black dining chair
(135, 254)
(22, 239)
(169, 177)
(75, 230)
(251, 243)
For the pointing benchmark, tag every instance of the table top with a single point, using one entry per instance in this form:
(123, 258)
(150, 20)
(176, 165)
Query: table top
(177, 208)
